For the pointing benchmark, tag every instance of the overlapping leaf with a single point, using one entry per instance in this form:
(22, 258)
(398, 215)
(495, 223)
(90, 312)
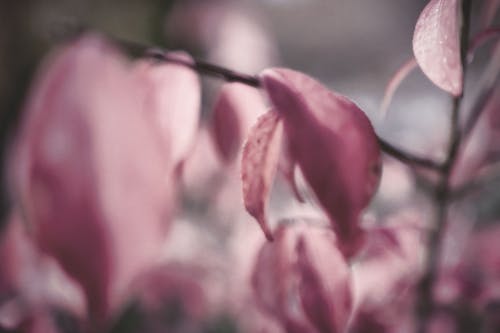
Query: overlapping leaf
(235, 111)
(334, 144)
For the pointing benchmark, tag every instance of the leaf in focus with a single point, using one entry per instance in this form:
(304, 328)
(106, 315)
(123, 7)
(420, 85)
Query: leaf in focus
(436, 45)
(334, 144)
(258, 166)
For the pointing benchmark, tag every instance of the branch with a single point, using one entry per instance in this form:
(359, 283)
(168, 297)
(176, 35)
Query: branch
(406, 157)
(199, 66)
(253, 81)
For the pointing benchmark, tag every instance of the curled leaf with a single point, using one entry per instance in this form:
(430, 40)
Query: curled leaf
(436, 45)
(334, 144)
(258, 166)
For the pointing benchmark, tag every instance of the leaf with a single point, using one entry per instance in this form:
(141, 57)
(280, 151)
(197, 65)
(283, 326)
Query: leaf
(436, 45)
(171, 95)
(325, 287)
(92, 172)
(334, 144)
(276, 279)
(286, 166)
(235, 111)
(258, 166)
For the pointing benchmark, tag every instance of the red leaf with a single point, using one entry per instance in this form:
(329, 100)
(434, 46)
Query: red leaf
(436, 45)
(258, 166)
(235, 111)
(334, 144)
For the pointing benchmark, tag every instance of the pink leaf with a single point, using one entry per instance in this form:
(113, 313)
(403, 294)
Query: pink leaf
(172, 97)
(333, 142)
(276, 279)
(92, 171)
(258, 166)
(436, 45)
(235, 111)
(325, 287)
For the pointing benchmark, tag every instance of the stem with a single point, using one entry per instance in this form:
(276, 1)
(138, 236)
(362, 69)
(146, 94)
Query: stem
(207, 68)
(406, 157)
(253, 81)
(425, 302)
(196, 65)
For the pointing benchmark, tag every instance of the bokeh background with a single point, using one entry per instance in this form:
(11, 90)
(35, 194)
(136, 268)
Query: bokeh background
(353, 46)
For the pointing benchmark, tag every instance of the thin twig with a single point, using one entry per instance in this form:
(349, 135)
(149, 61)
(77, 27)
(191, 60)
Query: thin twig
(406, 157)
(253, 81)
(196, 65)
(207, 68)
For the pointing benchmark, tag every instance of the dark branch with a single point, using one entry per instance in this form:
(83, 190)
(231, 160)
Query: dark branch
(199, 66)
(406, 157)
(253, 81)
